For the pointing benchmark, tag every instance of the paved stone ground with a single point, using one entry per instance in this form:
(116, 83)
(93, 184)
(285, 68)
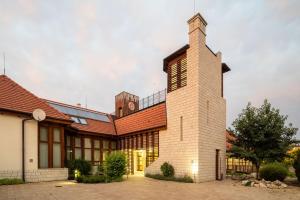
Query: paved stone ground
(144, 188)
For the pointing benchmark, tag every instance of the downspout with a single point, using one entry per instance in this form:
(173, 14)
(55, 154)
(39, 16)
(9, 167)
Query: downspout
(23, 147)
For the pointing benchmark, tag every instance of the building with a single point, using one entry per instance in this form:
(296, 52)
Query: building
(183, 125)
(234, 164)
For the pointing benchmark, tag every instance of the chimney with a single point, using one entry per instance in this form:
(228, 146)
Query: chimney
(197, 26)
(78, 105)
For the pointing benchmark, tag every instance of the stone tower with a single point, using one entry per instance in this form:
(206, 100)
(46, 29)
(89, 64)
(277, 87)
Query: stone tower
(194, 141)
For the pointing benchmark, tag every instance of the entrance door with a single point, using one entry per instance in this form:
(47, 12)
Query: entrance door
(217, 164)
(139, 162)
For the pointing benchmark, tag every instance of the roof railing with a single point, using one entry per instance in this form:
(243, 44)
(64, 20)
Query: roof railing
(153, 99)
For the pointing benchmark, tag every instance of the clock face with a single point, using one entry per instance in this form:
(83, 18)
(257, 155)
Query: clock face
(131, 106)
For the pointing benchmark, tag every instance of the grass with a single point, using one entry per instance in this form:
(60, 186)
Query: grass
(185, 179)
(13, 181)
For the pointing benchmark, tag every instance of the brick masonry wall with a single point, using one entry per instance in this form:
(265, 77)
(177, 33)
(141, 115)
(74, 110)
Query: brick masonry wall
(203, 111)
(37, 175)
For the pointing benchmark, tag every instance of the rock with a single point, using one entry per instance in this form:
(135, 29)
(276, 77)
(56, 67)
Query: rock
(244, 182)
(262, 185)
(273, 186)
(256, 184)
(277, 182)
(252, 184)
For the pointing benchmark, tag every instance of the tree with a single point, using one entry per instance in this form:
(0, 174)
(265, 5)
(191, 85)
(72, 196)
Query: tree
(261, 135)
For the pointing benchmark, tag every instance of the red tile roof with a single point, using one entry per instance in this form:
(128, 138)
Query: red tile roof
(95, 126)
(152, 117)
(13, 97)
(92, 126)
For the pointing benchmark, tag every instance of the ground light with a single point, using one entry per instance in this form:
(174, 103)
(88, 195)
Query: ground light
(194, 169)
(76, 173)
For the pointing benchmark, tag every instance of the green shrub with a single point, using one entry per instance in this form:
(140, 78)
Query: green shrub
(273, 171)
(84, 167)
(167, 169)
(91, 179)
(8, 181)
(296, 165)
(100, 169)
(185, 179)
(115, 165)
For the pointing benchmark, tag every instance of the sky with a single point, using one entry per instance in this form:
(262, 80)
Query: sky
(89, 51)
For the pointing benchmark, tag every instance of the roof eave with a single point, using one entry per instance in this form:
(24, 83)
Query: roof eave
(174, 55)
(225, 68)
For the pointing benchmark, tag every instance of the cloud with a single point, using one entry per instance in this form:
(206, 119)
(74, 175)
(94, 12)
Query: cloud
(70, 51)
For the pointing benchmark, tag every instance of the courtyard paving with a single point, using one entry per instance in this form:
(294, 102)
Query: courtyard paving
(144, 188)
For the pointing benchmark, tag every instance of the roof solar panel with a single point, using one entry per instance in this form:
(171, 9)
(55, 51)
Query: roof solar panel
(80, 113)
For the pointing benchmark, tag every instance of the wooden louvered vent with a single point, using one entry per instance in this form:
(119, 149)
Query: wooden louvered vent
(177, 73)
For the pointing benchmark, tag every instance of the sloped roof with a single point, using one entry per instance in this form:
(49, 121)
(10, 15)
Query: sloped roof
(152, 117)
(93, 125)
(14, 97)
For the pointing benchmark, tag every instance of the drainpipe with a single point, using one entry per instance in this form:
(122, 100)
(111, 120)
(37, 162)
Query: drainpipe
(23, 147)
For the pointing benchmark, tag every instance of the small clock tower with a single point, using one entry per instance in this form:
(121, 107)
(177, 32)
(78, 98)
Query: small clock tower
(125, 104)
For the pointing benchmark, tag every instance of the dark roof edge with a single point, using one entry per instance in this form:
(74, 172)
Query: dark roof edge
(225, 68)
(174, 55)
(16, 112)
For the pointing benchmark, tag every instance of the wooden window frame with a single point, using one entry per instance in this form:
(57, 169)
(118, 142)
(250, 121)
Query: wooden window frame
(180, 80)
(50, 142)
(90, 148)
(75, 147)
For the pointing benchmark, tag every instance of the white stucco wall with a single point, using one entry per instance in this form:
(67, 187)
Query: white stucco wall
(11, 143)
(11, 151)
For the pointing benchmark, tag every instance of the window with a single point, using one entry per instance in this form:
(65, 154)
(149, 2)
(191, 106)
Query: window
(87, 149)
(79, 120)
(177, 74)
(113, 145)
(50, 147)
(78, 148)
(96, 151)
(120, 112)
(43, 147)
(69, 153)
(105, 148)
(181, 128)
(56, 147)
(75, 119)
(82, 121)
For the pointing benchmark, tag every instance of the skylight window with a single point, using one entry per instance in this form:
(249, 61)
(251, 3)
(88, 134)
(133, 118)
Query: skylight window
(75, 119)
(79, 120)
(82, 121)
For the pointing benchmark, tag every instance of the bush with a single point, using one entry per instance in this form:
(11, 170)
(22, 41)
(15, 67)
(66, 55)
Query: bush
(185, 179)
(100, 169)
(273, 171)
(115, 165)
(7, 181)
(91, 179)
(296, 165)
(167, 169)
(83, 166)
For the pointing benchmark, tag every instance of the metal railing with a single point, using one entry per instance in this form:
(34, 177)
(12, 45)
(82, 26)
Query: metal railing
(154, 99)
